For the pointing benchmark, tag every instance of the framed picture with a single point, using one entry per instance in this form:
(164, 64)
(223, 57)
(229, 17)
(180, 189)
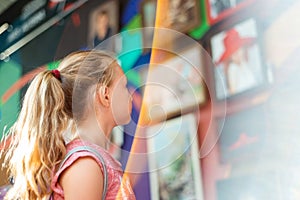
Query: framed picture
(181, 15)
(220, 9)
(103, 23)
(237, 56)
(243, 137)
(175, 86)
(174, 159)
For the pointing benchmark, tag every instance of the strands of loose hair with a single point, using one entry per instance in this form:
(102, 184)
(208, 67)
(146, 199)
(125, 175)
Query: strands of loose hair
(50, 107)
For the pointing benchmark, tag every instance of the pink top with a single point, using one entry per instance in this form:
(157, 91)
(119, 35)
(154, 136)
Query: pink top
(114, 173)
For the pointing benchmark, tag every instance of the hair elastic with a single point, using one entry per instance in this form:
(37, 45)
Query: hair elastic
(56, 74)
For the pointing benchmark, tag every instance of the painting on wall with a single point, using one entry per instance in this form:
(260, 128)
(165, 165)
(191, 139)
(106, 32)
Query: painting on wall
(237, 55)
(181, 15)
(243, 137)
(174, 159)
(218, 10)
(103, 24)
(176, 85)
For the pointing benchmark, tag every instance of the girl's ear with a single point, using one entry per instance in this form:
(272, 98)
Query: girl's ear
(103, 96)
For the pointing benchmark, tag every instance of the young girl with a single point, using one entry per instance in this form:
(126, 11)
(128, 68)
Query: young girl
(76, 105)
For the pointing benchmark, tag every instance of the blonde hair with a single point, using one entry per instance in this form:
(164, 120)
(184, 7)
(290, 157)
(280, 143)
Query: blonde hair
(50, 106)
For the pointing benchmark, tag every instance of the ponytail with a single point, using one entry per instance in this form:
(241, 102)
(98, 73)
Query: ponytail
(54, 102)
(37, 138)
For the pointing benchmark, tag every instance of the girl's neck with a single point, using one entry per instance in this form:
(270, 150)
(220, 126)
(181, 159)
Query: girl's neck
(94, 133)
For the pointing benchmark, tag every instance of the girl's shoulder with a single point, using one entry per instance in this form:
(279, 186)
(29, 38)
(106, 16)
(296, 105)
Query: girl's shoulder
(113, 167)
(110, 162)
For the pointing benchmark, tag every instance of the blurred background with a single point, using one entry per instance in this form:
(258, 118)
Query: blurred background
(231, 74)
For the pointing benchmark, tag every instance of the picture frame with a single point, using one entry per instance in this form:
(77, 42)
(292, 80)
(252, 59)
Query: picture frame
(237, 55)
(181, 15)
(243, 137)
(182, 91)
(174, 159)
(106, 16)
(217, 10)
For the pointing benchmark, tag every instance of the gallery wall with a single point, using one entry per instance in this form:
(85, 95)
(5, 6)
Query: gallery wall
(243, 126)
